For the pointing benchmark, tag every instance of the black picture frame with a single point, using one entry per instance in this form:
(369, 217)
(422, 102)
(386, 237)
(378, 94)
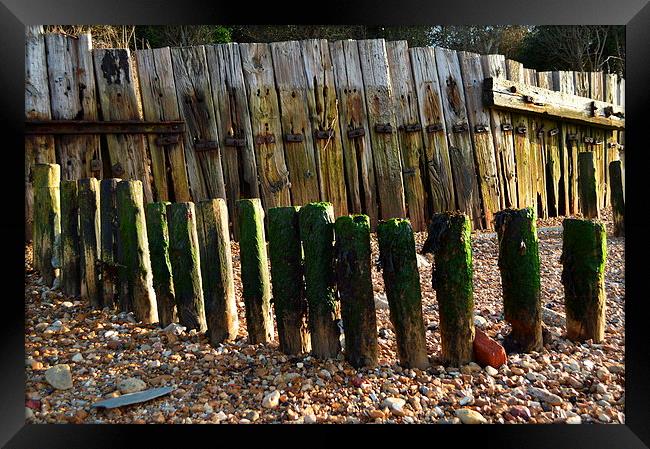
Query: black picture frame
(14, 14)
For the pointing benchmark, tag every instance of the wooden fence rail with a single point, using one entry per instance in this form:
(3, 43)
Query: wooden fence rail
(370, 126)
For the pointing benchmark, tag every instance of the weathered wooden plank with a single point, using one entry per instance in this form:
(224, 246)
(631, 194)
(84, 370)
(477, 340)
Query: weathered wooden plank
(158, 92)
(519, 97)
(355, 133)
(233, 121)
(385, 145)
(538, 147)
(72, 94)
(47, 220)
(494, 66)
(460, 143)
(598, 146)
(588, 185)
(265, 122)
(610, 145)
(118, 101)
(109, 232)
(581, 84)
(553, 169)
(621, 134)
(439, 181)
(409, 133)
(291, 82)
(202, 146)
(70, 281)
(479, 124)
(89, 241)
(39, 149)
(324, 116)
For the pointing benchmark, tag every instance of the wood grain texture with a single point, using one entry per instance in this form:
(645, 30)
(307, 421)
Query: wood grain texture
(439, 177)
(109, 234)
(265, 121)
(479, 119)
(598, 146)
(233, 121)
(553, 169)
(405, 105)
(197, 109)
(39, 149)
(581, 84)
(353, 115)
(385, 146)
(324, 117)
(89, 241)
(115, 85)
(158, 92)
(460, 143)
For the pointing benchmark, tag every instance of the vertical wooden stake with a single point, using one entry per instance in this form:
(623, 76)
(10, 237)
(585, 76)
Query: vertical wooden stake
(616, 195)
(285, 254)
(255, 271)
(161, 267)
(109, 236)
(216, 270)
(186, 265)
(519, 266)
(47, 219)
(588, 185)
(449, 241)
(584, 252)
(317, 236)
(89, 234)
(353, 272)
(136, 292)
(400, 269)
(70, 281)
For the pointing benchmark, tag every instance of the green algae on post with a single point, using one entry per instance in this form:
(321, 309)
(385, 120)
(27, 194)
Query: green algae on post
(89, 235)
(47, 219)
(70, 269)
(108, 241)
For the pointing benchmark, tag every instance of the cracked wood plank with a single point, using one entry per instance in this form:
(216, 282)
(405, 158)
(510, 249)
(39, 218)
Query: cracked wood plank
(599, 147)
(554, 191)
(538, 147)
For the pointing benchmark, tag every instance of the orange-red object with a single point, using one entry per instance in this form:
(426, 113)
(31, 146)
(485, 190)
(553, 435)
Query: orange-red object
(487, 351)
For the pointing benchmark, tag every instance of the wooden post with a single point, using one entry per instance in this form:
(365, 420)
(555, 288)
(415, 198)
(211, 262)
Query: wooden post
(519, 266)
(136, 292)
(109, 231)
(588, 186)
(285, 254)
(449, 241)
(89, 235)
(70, 281)
(618, 202)
(584, 252)
(353, 272)
(161, 267)
(185, 262)
(402, 280)
(317, 236)
(47, 219)
(216, 270)
(256, 288)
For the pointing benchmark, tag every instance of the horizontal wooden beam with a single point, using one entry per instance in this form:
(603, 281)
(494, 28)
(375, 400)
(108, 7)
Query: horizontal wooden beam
(97, 127)
(503, 94)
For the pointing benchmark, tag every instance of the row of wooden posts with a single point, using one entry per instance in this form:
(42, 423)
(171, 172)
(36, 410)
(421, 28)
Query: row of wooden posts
(169, 262)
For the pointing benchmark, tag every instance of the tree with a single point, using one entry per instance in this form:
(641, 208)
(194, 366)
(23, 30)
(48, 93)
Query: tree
(183, 35)
(501, 39)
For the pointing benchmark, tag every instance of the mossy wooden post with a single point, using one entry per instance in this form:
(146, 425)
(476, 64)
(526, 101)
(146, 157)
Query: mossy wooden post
(109, 235)
(216, 270)
(256, 287)
(285, 255)
(317, 236)
(70, 281)
(136, 292)
(519, 266)
(588, 185)
(402, 280)
(353, 273)
(449, 241)
(47, 218)
(186, 265)
(89, 234)
(617, 199)
(584, 252)
(161, 267)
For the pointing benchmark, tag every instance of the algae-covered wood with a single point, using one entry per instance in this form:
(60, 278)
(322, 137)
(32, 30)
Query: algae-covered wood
(355, 133)
(588, 185)
(385, 145)
(617, 200)
(407, 122)
(46, 220)
(89, 241)
(109, 236)
(257, 67)
(324, 116)
(70, 281)
(118, 100)
(460, 142)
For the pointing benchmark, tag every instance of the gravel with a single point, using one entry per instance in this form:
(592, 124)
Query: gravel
(581, 383)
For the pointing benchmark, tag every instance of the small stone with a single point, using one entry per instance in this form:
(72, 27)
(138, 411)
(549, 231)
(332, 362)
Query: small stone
(77, 357)
(376, 414)
(603, 374)
(220, 416)
(300, 365)
(480, 322)
(131, 385)
(491, 371)
(588, 364)
(469, 416)
(309, 418)
(381, 301)
(36, 365)
(29, 413)
(466, 400)
(110, 334)
(520, 411)
(271, 400)
(422, 261)
(604, 418)
(574, 420)
(59, 376)
(601, 389)
(67, 304)
(545, 396)
(253, 415)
